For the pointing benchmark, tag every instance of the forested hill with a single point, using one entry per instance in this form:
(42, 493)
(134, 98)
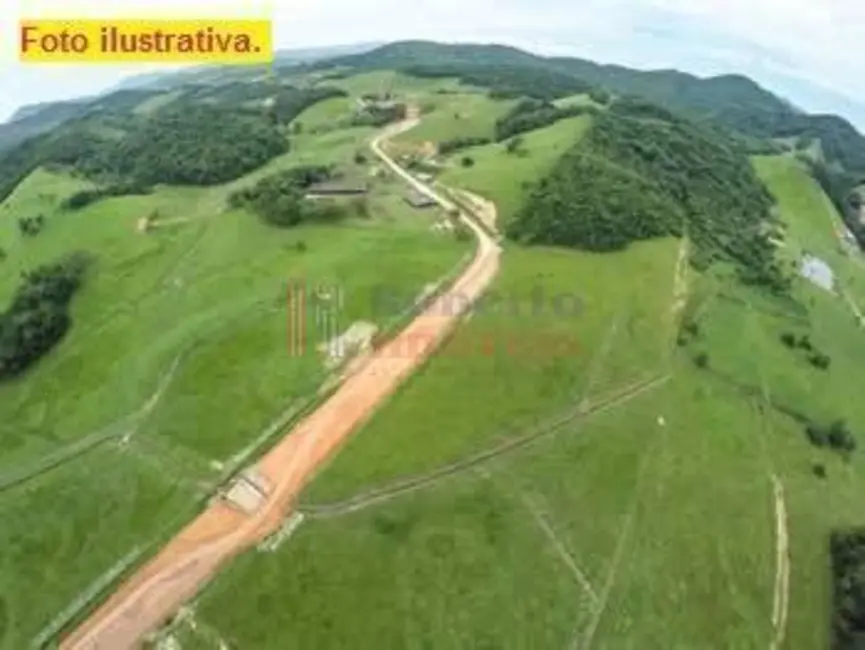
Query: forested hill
(634, 178)
(733, 101)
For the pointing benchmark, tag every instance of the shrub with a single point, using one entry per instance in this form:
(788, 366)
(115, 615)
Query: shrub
(820, 360)
(819, 470)
(360, 158)
(702, 360)
(840, 438)
(31, 226)
(691, 327)
(817, 435)
(456, 144)
(788, 339)
(836, 436)
(467, 161)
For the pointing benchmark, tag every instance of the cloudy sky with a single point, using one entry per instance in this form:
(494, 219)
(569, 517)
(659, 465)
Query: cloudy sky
(811, 51)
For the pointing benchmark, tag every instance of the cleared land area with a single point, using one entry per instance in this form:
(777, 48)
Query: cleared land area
(190, 321)
(161, 586)
(458, 116)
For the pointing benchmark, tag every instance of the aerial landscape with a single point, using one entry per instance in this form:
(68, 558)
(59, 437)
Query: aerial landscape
(432, 345)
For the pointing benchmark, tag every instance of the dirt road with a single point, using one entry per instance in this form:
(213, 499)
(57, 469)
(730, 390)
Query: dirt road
(153, 594)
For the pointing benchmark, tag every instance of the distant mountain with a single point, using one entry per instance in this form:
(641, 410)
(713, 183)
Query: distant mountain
(35, 119)
(211, 73)
(733, 101)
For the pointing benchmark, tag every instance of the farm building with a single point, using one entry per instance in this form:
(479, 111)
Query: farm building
(417, 200)
(337, 188)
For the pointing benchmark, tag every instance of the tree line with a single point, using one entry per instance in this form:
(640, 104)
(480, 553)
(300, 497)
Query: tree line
(530, 114)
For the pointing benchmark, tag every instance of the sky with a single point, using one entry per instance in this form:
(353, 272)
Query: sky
(810, 51)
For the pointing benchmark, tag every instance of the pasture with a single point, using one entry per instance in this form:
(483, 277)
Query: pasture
(597, 506)
(176, 361)
(503, 177)
(458, 116)
(557, 327)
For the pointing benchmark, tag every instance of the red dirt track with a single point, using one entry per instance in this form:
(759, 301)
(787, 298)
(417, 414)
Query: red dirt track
(156, 591)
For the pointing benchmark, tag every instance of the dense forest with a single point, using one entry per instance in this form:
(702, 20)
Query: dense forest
(588, 202)
(848, 567)
(633, 179)
(195, 145)
(38, 317)
(279, 198)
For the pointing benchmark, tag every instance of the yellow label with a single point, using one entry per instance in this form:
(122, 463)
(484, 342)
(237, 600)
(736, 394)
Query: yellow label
(145, 41)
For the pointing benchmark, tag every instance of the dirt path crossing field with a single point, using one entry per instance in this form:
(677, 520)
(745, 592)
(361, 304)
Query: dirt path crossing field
(781, 599)
(152, 595)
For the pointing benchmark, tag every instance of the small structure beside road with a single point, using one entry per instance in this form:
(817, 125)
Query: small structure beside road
(818, 272)
(418, 200)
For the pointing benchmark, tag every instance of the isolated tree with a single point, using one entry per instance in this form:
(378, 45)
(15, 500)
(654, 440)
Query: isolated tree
(820, 361)
(788, 339)
(467, 161)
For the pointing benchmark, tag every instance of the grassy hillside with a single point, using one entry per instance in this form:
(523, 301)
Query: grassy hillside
(506, 178)
(458, 116)
(418, 533)
(595, 450)
(175, 364)
(565, 331)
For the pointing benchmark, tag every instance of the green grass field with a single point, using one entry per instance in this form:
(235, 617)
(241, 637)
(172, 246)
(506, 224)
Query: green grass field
(605, 503)
(812, 221)
(64, 531)
(644, 522)
(649, 525)
(511, 365)
(193, 312)
(502, 177)
(458, 116)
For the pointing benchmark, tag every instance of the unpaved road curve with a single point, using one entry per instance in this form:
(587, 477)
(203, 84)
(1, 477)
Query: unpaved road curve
(154, 593)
